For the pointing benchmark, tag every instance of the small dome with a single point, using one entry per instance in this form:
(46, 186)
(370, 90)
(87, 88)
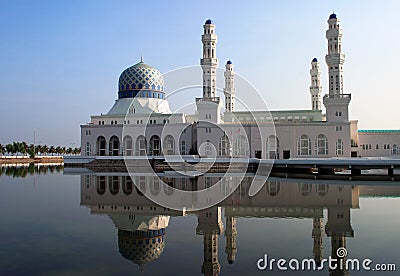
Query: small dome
(229, 62)
(209, 21)
(332, 16)
(314, 60)
(141, 77)
(230, 262)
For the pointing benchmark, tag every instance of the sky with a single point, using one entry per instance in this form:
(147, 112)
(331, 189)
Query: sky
(60, 60)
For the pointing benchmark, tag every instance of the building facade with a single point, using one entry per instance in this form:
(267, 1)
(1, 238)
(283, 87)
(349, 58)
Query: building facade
(140, 123)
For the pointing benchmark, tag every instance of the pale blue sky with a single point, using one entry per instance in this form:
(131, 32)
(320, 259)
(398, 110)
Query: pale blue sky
(60, 60)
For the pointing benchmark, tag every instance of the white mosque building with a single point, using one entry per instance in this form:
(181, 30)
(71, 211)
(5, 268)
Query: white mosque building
(140, 123)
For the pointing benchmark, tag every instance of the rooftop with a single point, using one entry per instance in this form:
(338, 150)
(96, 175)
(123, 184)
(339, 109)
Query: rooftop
(379, 131)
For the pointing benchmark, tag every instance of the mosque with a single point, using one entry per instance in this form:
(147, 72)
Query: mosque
(143, 225)
(140, 123)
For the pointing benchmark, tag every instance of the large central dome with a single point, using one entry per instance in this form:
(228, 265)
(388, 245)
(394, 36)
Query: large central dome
(141, 80)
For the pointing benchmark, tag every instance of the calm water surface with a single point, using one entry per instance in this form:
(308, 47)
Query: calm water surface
(100, 224)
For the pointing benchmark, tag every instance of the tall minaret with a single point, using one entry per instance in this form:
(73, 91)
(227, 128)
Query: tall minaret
(318, 234)
(210, 225)
(209, 62)
(229, 90)
(315, 87)
(336, 102)
(209, 106)
(335, 58)
(230, 235)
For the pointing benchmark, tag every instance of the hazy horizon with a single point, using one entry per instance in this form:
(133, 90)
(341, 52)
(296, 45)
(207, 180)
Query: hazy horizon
(61, 60)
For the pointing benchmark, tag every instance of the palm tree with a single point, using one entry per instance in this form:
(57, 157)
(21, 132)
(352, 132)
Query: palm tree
(45, 149)
(52, 150)
(10, 149)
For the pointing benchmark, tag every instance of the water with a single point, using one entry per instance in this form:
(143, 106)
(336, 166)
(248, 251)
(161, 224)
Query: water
(71, 224)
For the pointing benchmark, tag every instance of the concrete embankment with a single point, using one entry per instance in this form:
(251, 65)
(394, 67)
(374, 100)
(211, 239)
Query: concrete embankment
(28, 160)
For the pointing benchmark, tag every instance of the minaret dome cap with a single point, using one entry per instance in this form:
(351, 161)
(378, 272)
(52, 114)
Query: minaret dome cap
(209, 21)
(332, 16)
(229, 62)
(314, 60)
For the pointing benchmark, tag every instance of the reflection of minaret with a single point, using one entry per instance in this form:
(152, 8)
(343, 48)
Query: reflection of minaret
(230, 234)
(317, 234)
(338, 228)
(210, 226)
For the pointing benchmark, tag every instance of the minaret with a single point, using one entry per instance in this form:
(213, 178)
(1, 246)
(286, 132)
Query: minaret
(210, 226)
(338, 227)
(315, 87)
(209, 62)
(317, 235)
(336, 102)
(335, 58)
(230, 235)
(229, 90)
(209, 106)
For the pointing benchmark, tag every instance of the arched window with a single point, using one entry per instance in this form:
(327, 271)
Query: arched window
(127, 185)
(272, 147)
(241, 147)
(339, 147)
(183, 148)
(304, 145)
(207, 148)
(224, 146)
(101, 184)
(322, 189)
(113, 147)
(321, 145)
(155, 187)
(169, 145)
(101, 146)
(154, 146)
(395, 150)
(113, 184)
(273, 188)
(88, 149)
(305, 189)
(141, 146)
(128, 146)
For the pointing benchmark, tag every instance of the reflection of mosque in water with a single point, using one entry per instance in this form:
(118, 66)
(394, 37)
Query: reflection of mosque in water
(142, 224)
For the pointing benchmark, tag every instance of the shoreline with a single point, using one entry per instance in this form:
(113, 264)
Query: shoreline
(11, 160)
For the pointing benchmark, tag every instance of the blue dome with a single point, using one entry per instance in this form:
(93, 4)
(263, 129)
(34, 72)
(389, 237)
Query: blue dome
(314, 60)
(141, 80)
(229, 62)
(209, 21)
(332, 16)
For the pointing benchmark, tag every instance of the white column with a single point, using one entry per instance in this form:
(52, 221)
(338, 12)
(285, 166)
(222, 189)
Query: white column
(229, 90)
(335, 58)
(315, 87)
(209, 62)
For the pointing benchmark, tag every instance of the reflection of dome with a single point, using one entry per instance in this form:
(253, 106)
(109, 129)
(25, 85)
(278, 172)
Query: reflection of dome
(141, 247)
(141, 80)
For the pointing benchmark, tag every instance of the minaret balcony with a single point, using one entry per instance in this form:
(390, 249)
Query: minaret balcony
(209, 61)
(215, 100)
(337, 99)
